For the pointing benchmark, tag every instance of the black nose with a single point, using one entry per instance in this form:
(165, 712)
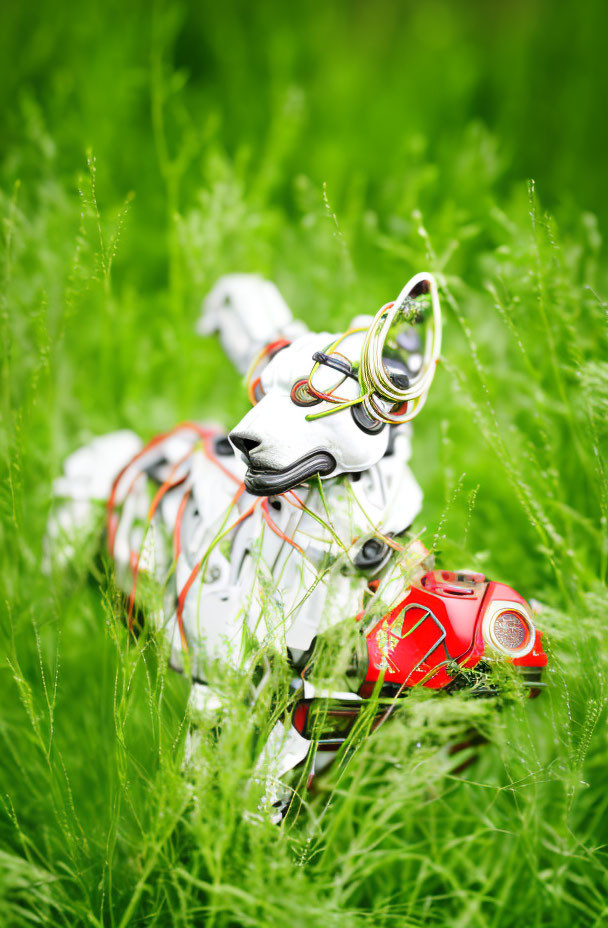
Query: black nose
(246, 445)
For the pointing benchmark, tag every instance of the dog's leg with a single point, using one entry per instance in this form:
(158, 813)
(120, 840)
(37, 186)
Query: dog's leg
(204, 708)
(285, 749)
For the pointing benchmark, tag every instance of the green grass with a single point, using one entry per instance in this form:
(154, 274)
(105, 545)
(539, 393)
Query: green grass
(336, 148)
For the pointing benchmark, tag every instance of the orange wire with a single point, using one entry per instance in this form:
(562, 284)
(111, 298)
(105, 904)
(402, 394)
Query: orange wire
(275, 528)
(297, 498)
(111, 500)
(251, 390)
(209, 454)
(188, 584)
(327, 397)
(165, 487)
(177, 541)
(162, 490)
(204, 434)
(272, 347)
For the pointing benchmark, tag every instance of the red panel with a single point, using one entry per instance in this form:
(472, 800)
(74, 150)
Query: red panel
(536, 657)
(299, 717)
(399, 643)
(502, 591)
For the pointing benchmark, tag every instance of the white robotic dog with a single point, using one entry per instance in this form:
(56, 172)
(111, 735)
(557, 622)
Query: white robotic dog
(266, 537)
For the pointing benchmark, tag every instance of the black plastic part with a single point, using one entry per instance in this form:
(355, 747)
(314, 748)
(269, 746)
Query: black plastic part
(275, 482)
(245, 445)
(343, 367)
(397, 371)
(366, 424)
(371, 554)
(152, 470)
(222, 447)
(423, 286)
(390, 448)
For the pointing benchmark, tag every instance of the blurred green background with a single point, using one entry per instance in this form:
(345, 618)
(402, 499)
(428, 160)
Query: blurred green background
(336, 148)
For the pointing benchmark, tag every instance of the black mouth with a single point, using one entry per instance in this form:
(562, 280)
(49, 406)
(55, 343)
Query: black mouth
(273, 482)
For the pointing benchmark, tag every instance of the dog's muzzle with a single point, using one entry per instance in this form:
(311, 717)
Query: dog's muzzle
(265, 482)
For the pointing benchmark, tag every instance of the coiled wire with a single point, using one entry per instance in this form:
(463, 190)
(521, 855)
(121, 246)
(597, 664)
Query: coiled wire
(377, 389)
(376, 384)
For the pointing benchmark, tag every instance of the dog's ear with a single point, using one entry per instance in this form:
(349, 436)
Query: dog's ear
(402, 348)
(401, 351)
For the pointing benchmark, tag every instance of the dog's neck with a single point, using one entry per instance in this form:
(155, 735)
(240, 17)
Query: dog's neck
(352, 508)
(381, 500)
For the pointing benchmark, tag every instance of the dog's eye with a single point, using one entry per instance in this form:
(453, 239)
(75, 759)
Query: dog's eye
(301, 395)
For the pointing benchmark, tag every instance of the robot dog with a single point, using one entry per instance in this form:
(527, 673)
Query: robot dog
(266, 538)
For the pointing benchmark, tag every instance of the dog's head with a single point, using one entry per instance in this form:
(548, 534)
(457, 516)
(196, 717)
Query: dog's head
(324, 403)
(281, 446)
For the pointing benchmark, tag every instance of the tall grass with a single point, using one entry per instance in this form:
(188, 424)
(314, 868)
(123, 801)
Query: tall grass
(129, 186)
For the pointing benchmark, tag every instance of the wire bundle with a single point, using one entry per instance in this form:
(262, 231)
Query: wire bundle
(382, 399)
(376, 385)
